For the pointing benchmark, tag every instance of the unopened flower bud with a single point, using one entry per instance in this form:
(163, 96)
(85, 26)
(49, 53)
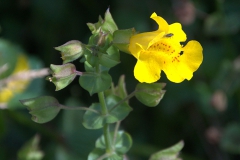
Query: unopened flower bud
(71, 50)
(62, 75)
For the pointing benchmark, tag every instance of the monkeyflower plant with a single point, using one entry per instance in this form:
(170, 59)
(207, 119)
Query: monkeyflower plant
(154, 51)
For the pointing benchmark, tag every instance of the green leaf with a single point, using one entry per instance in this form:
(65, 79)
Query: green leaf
(109, 24)
(93, 120)
(43, 109)
(96, 120)
(170, 153)
(122, 142)
(117, 111)
(121, 39)
(150, 94)
(119, 90)
(110, 59)
(95, 27)
(30, 150)
(91, 57)
(88, 67)
(230, 138)
(95, 82)
(97, 153)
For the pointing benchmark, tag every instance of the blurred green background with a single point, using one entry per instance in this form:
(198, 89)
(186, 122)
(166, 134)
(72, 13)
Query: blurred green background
(204, 112)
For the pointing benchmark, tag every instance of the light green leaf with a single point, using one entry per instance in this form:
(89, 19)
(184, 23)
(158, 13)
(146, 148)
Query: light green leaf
(109, 24)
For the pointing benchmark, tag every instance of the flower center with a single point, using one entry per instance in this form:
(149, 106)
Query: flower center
(169, 48)
(166, 46)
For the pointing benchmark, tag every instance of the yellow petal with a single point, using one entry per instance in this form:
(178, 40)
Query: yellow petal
(172, 72)
(148, 69)
(156, 39)
(178, 33)
(5, 95)
(192, 55)
(22, 64)
(163, 25)
(142, 39)
(186, 64)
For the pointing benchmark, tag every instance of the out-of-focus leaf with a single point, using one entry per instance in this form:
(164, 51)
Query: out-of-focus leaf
(31, 151)
(170, 153)
(97, 153)
(42, 109)
(122, 142)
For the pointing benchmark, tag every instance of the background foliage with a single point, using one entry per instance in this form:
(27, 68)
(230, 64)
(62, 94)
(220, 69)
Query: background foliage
(204, 112)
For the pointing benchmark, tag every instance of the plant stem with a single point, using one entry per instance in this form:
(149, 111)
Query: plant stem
(79, 108)
(122, 101)
(116, 132)
(106, 131)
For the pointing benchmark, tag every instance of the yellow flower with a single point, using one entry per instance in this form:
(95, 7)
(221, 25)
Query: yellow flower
(161, 50)
(15, 86)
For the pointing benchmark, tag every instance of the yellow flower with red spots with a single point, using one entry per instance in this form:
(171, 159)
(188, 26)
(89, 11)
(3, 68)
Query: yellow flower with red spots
(161, 50)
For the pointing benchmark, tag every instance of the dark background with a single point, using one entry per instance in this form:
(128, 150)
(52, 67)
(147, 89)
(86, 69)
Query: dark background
(204, 112)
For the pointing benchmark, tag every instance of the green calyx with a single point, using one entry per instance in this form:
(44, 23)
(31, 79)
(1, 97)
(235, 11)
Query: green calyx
(71, 50)
(62, 75)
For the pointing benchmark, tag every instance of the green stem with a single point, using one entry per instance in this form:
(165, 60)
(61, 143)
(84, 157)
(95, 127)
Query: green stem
(116, 131)
(79, 108)
(122, 101)
(103, 103)
(106, 131)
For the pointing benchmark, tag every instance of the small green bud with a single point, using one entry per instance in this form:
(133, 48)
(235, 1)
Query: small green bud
(71, 50)
(43, 109)
(121, 39)
(63, 75)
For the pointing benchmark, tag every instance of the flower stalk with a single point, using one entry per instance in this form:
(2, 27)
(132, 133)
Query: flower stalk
(106, 131)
